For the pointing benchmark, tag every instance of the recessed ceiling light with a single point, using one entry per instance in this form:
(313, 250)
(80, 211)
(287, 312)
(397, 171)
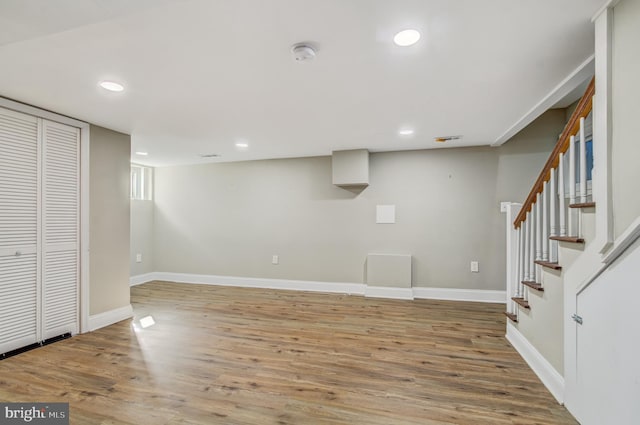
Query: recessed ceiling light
(242, 145)
(111, 86)
(405, 132)
(142, 153)
(406, 38)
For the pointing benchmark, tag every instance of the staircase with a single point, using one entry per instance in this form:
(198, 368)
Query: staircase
(546, 234)
(552, 225)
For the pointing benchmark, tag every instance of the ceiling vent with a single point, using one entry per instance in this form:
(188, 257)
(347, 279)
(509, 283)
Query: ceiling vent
(303, 52)
(443, 139)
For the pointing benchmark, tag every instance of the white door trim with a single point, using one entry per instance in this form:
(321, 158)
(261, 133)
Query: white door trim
(85, 134)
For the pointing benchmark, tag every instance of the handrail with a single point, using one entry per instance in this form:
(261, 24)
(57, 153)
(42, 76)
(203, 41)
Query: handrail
(582, 110)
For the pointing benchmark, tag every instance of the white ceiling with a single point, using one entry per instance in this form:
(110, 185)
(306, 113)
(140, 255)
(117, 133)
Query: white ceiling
(201, 75)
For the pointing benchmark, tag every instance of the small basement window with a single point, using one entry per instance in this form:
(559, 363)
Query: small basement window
(141, 183)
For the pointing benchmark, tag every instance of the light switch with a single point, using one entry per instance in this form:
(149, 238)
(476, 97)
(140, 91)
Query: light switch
(474, 266)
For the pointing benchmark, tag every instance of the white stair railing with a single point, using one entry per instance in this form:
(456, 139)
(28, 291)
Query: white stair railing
(549, 213)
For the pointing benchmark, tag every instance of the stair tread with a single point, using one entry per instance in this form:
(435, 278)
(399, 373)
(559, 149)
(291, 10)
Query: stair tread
(567, 239)
(583, 205)
(533, 285)
(554, 266)
(512, 316)
(521, 302)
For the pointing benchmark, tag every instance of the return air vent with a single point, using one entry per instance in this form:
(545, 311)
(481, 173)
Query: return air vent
(443, 139)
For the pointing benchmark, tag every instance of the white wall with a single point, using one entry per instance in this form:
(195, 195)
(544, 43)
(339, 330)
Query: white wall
(230, 218)
(608, 345)
(110, 154)
(597, 371)
(142, 218)
(625, 148)
(601, 355)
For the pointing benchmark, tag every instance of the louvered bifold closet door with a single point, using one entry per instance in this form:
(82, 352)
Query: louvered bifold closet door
(60, 229)
(19, 206)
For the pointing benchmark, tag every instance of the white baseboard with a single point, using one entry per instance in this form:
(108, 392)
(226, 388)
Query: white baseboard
(254, 282)
(452, 294)
(110, 317)
(388, 292)
(141, 278)
(540, 366)
(476, 295)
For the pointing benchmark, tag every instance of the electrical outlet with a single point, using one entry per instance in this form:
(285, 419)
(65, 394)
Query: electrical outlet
(138, 258)
(275, 259)
(474, 267)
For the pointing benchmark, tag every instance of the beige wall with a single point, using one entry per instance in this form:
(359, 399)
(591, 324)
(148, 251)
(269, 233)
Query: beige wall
(569, 110)
(521, 159)
(625, 111)
(230, 218)
(142, 217)
(542, 324)
(110, 154)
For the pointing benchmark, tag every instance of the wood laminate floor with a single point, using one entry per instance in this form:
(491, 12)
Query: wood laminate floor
(220, 355)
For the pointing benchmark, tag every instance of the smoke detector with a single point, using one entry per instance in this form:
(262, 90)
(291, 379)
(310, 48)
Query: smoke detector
(303, 52)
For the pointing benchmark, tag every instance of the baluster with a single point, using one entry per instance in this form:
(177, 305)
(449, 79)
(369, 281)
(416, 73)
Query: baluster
(553, 194)
(525, 250)
(572, 186)
(562, 210)
(532, 247)
(521, 278)
(527, 246)
(538, 227)
(545, 222)
(583, 163)
(515, 282)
